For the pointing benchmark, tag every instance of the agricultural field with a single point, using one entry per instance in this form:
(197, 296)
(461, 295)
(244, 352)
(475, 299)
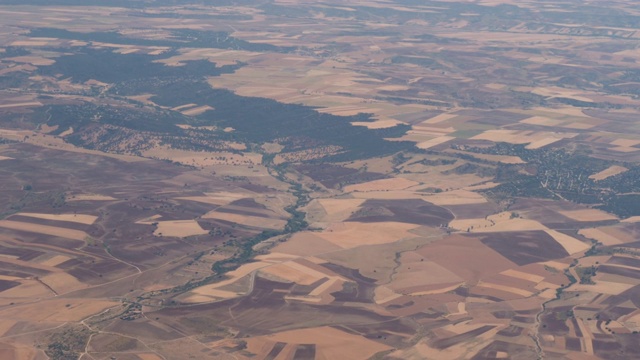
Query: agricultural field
(297, 179)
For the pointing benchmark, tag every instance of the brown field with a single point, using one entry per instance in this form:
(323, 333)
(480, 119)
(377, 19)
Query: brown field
(380, 124)
(328, 342)
(197, 110)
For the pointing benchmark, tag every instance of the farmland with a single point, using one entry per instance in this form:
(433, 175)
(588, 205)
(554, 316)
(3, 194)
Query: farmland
(299, 179)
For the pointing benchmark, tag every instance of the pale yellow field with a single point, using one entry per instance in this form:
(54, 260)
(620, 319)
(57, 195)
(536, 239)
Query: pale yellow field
(471, 224)
(588, 215)
(179, 228)
(496, 222)
(514, 225)
(294, 272)
(30, 43)
(380, 124)
(541, 120)
(33, 60)
(24, 104)
(382, 184)
(331, 283)
(183, 107)
(77, 218)
(338, 206)
(62, 282)
(89, 197)
(197, 111)
(611, 171)
(43, 229)
(602, 236)
(534, 139)
(29, 289)
(213, 290)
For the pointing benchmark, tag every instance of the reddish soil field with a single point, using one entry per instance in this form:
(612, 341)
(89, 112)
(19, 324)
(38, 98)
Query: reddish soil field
(412, 211)
(524, 247)
(331, 175)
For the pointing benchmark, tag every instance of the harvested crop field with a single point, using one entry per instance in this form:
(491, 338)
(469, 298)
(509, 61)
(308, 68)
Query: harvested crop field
(77, 218)
(179, 228)
(608, 172)
(588, 215)
(43, 229)
(328, 342)
(352, 234)
(382, 185)
(407, 211)
(479, 260)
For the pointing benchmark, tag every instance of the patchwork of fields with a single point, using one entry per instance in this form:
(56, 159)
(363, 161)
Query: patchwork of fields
(280, 180)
